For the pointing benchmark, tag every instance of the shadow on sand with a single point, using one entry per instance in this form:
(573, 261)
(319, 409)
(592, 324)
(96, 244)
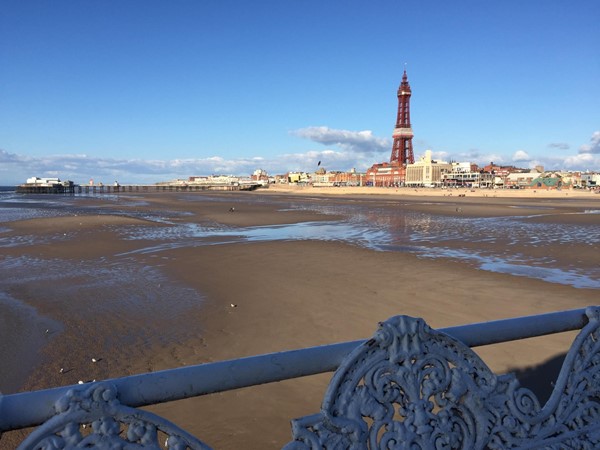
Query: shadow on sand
(540, 379)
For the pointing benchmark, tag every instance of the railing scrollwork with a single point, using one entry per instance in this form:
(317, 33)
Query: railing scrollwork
(414, 387)
(93, 417)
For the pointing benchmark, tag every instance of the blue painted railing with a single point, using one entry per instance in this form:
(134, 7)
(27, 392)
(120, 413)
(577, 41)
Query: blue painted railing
(59, 408)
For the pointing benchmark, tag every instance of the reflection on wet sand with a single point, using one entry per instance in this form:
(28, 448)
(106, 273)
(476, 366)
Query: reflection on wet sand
(500, 244)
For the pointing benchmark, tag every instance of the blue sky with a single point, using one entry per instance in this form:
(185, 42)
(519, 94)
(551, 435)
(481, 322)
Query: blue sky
(146, 91)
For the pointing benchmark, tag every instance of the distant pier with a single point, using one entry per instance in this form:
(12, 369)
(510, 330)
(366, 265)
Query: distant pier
(107, 189)
(115, 189)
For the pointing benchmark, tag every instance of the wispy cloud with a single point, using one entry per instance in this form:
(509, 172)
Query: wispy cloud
(478, 157)
(559, 145)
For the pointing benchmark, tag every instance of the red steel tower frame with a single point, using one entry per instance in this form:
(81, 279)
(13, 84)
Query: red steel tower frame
(402, 149)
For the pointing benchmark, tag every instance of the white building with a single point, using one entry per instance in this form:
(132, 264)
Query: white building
(426, 172)
(43, 181)
(590, 179)
(463, 174)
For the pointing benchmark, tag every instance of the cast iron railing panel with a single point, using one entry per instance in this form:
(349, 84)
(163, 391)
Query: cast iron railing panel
(93, 417)
(408, 387)
(411, 387)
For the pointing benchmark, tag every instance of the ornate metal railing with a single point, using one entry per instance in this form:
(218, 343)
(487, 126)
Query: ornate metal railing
(407, 387)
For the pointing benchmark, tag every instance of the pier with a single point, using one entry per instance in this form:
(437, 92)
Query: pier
(115, 189)
(130, 188)
(46, 188)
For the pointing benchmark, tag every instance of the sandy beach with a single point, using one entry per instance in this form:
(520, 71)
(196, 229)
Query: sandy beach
(79, 286)
(431, 192)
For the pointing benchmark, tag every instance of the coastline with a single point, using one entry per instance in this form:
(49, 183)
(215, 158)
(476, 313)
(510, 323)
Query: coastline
(174, 305)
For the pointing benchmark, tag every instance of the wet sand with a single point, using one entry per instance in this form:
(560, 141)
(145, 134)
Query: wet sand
(139, 312)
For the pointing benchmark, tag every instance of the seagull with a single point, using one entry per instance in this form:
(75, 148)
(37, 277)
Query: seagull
(62, 370)
(94, 360)
(233, 305)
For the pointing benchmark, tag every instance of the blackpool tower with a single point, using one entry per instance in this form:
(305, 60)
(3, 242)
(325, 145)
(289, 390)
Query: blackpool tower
(402, 150)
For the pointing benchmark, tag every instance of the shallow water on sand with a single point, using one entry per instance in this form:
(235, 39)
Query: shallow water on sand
(516, 245)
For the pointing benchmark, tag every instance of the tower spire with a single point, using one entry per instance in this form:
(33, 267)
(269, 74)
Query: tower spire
(402, 150)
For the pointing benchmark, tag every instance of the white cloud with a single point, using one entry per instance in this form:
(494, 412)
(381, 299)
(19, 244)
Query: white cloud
(350, 141)
(582, 161)
(521, 156)
(15, 169)
(351, 149)
(593, 146)
(588, 157)
(438, 156)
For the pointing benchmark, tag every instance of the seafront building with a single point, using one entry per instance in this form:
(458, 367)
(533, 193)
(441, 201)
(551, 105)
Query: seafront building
(322, 178)
(590, 179)
(426, 172)
(262, 177)
(385, 175)
(521, 179)
(467, 175)
(298, 177)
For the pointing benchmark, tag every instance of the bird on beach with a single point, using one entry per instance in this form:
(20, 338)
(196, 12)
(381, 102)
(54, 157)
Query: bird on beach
(94, 360)
(233, 305)
(62, 370)
(232, 209)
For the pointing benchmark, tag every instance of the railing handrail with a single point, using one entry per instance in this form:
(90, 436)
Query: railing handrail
(35, 407)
